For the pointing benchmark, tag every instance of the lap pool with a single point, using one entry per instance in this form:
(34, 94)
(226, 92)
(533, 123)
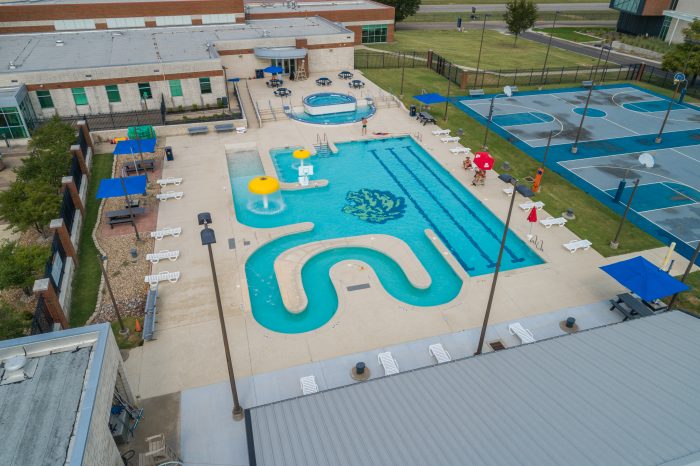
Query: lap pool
(389, 186)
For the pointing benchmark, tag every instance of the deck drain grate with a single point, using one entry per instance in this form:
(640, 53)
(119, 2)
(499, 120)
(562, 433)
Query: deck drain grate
(358, 287)
(232, 243)
(497, 345)
(246, 242)
(529, 179)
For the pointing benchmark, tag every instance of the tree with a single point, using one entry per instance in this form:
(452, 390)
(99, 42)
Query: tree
(50, 153)
(21, 265)
(30, 204)
(13, 323)
(686, 55)
(520, 16)
(403, 8)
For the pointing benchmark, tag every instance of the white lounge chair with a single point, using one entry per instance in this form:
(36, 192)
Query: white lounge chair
(529, 205)
(549, 222)
(171, 277)
(450, 139)
(170, 195)
(163, 182)
(439, 353)
(460, 150)
(576, 244)
(508, 191)
(441, 132)
(304, 180)
(157, 256)
(387, 361)
(241, 130)
(168, 231)
(524, 334)
(308, 385)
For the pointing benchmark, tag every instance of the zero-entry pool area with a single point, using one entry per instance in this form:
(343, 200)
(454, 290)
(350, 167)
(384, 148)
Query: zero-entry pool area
(391, 187)
(332, 108)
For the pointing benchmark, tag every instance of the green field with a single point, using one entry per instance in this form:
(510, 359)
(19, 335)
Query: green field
(594, 221)
(572, 34)
(87, 274)
(462, 48)
(579, 15)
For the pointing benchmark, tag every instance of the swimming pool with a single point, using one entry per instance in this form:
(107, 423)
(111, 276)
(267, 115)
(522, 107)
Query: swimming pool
(324, 103)
(389, 186)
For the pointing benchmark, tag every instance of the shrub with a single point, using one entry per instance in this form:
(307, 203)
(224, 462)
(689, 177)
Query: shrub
(13, 322)
(21, 265)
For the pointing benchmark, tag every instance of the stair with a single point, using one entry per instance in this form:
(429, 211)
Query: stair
(248, 106)
(322, 147)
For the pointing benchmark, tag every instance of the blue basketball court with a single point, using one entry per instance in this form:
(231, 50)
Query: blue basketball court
(621, 122)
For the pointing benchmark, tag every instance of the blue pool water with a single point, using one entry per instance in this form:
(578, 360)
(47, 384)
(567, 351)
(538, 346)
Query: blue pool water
(389, 186)
(328, 98)
(335, 118)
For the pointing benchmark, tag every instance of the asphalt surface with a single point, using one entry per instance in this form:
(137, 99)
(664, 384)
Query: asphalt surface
(499, 25)
(502, 7)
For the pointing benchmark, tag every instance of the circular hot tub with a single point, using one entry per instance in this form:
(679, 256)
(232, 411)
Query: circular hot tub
(325, 103)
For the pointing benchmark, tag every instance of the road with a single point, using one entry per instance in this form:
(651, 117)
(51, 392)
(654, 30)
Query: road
(499, 25)
(502, 7)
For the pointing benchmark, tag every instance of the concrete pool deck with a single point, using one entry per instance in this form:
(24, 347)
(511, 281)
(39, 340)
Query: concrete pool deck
(188, 351)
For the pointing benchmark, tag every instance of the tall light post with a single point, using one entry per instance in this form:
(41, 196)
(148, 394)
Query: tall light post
(574, 148)
(481, 45)
(597, 64)
(123, 331)
(403, 71)
(208, 238)
(605, 65)
(679, 79)
(549, 45)
(615, 242)
(525, 191)
(507, 91)
(449, 83)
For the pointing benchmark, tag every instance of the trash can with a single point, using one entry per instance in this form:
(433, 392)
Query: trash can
(169, 153)
(413, 110)
(259, 74)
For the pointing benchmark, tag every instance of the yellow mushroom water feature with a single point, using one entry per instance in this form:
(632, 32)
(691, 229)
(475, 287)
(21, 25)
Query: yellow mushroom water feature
(301, 154)
(264, 186)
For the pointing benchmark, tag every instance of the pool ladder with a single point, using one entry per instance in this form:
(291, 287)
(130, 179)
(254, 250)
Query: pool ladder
(323, 149)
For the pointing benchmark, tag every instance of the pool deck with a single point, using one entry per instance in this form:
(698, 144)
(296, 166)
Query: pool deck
(188, 350)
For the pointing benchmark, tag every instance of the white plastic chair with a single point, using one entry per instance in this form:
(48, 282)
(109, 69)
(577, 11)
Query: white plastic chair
(524, 334)
(168, 231)
(549, 222)
(171, 277)
(576, 244)
(157, 256)
(439, 353)
(529, 205)
(508, 191)
(308, 385)
(441, 132)
(170, 195)
(450, 139)
(241, 130)
(163, 182)
(460, 150)
(387, 361)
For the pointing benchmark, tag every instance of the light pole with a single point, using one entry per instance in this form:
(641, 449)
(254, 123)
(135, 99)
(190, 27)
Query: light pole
(597, 64)
(549, 45)
(130, 208)
(605, 65)
(685, 276)
(670, 104)
(208, 238)
(507, 91)
(449, 83)
(574, 148)
(123, 331)
(403, 71)
(615, 242)
(525, 191)
(537, 185)
(481, 45)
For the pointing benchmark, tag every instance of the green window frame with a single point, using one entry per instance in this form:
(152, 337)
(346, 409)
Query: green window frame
(175, 88)
(374, 33)
(145, 91)
(113, 95)
(11, 125)
(205, 85)
(79, 96)
(45, 100)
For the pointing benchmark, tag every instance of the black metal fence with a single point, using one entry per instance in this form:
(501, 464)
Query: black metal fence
(42, 322)
(663, 78)
(373, 59)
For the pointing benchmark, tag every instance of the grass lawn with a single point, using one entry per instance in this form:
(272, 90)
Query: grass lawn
(690, 300)
(87, 275)
(594, 221)
(498, 51)
(571, 34)
(133, 339)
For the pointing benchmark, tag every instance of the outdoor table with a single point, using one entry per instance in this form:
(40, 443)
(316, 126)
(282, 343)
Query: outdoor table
(274, 83)
(630, 306)
(133, 167)
(324, 81)
(356, 83)
(345, 75)
(283, 92)
(116, 217)
(425, 118)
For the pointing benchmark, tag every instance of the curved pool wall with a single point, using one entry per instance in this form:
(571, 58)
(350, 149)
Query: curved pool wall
(364, 110)
(324, 103)
(402, 170)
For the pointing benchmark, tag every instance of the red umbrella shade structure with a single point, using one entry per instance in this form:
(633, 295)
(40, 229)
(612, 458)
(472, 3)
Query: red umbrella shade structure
(483, 160)
(532, 218)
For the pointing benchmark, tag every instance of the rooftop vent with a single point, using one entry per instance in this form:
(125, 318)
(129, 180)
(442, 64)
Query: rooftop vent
(266, 33)
(18, 369)
(12, 65)
(60, 43)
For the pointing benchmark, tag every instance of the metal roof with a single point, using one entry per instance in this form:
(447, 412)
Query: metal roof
(622, 394)
(312, 7)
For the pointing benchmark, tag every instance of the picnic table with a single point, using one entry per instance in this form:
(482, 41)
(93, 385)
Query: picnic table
(356, 83)
(631, 307)
(138, 165)
(115, 217)
(324, 81)
(425, 118)
(274, 83)
(283, 92)
(345, 75)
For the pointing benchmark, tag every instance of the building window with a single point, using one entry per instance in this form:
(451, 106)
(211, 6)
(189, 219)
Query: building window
(113, 94)
(630, 6)
(173, 20)
(45, 100)
(113, 23)
(218, 19)
(175, 88)
(145, 91)
(11, 126)
(205, 85)
(664, 27)
(73, 24)
(79, 96)
(374, 33)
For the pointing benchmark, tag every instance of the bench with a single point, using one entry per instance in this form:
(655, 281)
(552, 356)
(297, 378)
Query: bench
(198, 130)
(149, 322)
(169, 231)
(163, 182)
(153, 280)
(116, 217)
(587, 84)
(155, 257)
(133, 167)
(170, 195)
(224, 128)
(630, 307)
(476, 92)
(514, 88)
